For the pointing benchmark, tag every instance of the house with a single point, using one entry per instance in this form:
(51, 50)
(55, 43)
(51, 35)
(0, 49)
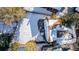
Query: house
(29, 28)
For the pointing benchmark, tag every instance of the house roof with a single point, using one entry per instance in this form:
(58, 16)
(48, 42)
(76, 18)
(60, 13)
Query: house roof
(38, 10)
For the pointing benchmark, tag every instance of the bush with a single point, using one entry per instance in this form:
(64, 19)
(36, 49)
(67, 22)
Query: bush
(70, 19)
(31, 46)
(15, 46)
(5, 40)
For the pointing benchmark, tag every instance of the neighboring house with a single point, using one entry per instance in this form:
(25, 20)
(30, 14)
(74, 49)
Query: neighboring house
(7, 28)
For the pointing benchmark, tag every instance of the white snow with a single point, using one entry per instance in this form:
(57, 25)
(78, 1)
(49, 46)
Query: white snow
(25, 33)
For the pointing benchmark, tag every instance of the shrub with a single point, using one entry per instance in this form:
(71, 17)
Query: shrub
(5, 40)
(31, 46)
(15, 46)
